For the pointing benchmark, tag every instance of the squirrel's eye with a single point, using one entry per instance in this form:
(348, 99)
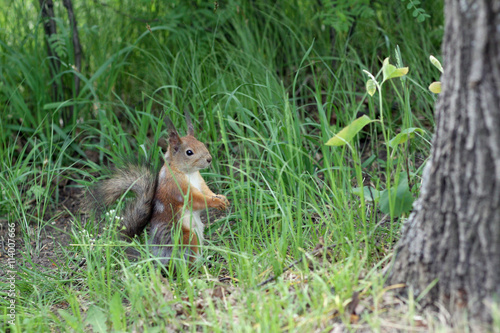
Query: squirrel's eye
(189, 152)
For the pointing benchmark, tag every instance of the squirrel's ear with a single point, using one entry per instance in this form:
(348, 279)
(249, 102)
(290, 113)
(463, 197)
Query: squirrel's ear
(190, 130)
(173, 137)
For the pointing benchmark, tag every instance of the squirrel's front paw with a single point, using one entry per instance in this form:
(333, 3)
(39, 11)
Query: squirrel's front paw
(220, 202)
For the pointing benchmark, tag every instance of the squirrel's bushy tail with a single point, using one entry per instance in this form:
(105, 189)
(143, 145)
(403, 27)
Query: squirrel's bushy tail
(138, 179)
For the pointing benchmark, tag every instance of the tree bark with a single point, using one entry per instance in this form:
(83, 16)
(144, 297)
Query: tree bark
(453, 234)
(47, 7)
(77, 51)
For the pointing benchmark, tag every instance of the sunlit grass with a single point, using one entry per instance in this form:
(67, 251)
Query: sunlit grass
(266, 87)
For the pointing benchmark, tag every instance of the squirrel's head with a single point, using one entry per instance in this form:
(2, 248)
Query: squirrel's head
(186, 153)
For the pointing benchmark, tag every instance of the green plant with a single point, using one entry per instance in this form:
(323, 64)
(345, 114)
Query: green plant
(341, 15)
(266, 87)
(396, 199)
(418, 13)
(435, 87)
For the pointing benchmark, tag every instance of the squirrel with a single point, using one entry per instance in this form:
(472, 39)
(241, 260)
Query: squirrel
(171, 200)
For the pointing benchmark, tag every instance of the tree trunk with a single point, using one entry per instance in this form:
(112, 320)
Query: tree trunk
(453, 234)
(49, 25)
(77, 50)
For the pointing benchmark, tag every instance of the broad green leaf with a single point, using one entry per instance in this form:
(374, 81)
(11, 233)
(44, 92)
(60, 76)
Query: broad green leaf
(69, 319)
(435, 87)
(436, 63)
(96, 318)
(371, 87)
(400, 196)
(116, 312)
(390, 71)
(369, 193)
(405, 134)
(348, 132)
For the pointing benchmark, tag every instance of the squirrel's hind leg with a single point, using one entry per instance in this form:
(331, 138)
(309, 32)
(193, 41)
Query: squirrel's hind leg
(161, 242)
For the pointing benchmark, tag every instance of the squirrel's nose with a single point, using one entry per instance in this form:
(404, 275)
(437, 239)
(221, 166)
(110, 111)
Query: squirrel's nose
(209, 160)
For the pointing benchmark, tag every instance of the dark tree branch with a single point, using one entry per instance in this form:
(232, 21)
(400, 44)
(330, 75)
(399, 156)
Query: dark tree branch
(77, 50)
(49, 25)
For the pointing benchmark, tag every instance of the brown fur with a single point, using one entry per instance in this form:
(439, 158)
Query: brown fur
(174, 186)
(161, 198)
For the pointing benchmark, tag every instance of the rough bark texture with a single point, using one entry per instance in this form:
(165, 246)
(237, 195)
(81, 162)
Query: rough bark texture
(454, 232)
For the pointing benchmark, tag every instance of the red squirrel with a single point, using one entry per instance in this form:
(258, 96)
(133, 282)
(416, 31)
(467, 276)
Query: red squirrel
(161, 198)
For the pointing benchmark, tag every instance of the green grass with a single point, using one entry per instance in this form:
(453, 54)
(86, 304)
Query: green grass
(266, 87)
